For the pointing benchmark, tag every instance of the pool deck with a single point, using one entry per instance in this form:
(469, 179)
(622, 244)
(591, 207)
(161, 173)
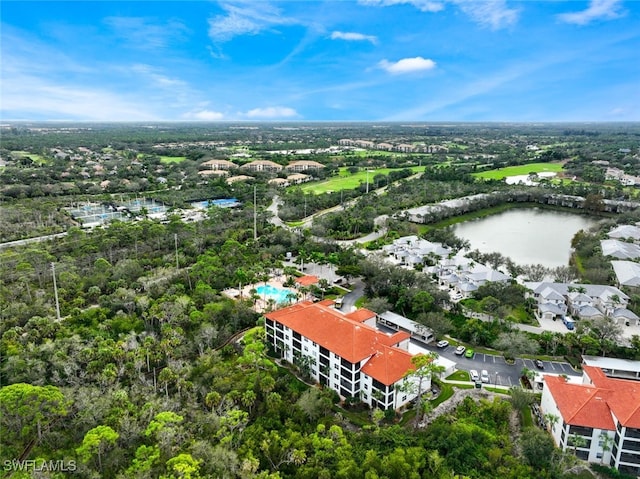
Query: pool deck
(261, 304)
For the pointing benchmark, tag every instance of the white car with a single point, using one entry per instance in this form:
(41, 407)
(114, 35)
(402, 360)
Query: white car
(474, 375)
(460, 350)
(443, 344)
(484, 376)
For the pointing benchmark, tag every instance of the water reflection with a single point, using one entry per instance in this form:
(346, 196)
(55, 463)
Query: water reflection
(527, 236)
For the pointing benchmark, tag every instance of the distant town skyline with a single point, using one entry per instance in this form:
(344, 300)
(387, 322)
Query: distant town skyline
(366, 60)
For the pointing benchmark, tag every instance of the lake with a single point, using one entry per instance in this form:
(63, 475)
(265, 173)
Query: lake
(526, 235)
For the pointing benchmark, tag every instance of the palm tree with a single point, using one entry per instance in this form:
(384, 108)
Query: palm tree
(607, 441)
(577, 441)
(552, 419)
(529, 374)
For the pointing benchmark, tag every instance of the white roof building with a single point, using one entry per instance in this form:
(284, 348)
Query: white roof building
(627, 272)
(625, 231)
(619, 249)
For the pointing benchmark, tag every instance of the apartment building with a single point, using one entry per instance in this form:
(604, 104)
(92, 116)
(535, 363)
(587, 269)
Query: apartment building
(598, 419)
(218, 165)
(581, 301)
(262, 165)
(304, 165)
(345, 352)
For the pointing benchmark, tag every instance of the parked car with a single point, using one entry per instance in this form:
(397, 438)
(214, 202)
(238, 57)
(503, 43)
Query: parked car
(443, 344)
(469, 354)
(460, 350)
(474, 375)
(539, 364)
(484, 376)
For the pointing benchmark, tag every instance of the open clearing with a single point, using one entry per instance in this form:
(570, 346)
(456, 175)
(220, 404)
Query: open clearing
(38, 159)
(172, 159)
(349, 181)
(501, 173)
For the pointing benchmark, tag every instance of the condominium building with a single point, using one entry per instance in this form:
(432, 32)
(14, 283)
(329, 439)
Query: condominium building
(346, 352)
(599, 419)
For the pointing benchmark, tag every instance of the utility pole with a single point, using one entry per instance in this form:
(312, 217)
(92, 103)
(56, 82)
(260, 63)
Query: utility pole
(55, 291)
(175, 240)
(255, 215)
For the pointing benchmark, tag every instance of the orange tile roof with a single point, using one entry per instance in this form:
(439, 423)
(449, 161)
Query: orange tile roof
(388, 365)
(361, 315)
(327, 302)
(592, 405)
(307, 280)
(580, 404)
(347, 338)
(624, 400)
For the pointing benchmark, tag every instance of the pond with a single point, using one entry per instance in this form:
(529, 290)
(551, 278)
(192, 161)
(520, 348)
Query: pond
(526, 235)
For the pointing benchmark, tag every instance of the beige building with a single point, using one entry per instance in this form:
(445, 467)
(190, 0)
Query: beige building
(303, 165)
(218, 165)
(262, 165)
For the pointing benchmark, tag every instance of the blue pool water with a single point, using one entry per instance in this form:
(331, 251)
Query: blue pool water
(277, 294)
(222, 203)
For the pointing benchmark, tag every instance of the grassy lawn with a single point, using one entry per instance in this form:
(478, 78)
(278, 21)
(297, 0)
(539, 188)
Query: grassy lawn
(446, 391)
(527, 419)
(295, 224)
(37, 159)
(519, 170)
(459, 376)
(360, 302)
(349, 181)
(370, 153)
(172, 159)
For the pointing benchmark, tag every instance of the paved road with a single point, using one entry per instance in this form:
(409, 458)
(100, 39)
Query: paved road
(37, 239)
(349, 299)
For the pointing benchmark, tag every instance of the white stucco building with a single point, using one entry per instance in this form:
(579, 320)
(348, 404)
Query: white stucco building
(346, 352)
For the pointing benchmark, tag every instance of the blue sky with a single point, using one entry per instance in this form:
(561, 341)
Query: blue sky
(355, 60)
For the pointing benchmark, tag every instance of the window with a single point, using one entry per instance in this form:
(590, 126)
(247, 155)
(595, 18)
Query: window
(581, 431)
(599, 455)
(584, 455)
(336, 376)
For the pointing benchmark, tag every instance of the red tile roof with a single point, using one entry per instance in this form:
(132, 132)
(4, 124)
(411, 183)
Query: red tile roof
(388, 365)
(327, 302)
(580, 404)
(361, 315)
(592, 405)
(348, 339)
(307, 280)
(624, 399)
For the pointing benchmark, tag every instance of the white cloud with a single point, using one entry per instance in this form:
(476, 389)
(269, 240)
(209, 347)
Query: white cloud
(35, 98)
(354, 37)
(204, 115)
(407, 65)
(145, 33)
(493, 14)
(245, 18)
(597, 10)
(272, 112)
(158, 79)
(422, 5)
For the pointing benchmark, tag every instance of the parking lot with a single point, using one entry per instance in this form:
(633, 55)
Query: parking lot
(500, 372)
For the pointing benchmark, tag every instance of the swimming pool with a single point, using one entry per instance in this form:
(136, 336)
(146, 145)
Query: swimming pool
(279, 295)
